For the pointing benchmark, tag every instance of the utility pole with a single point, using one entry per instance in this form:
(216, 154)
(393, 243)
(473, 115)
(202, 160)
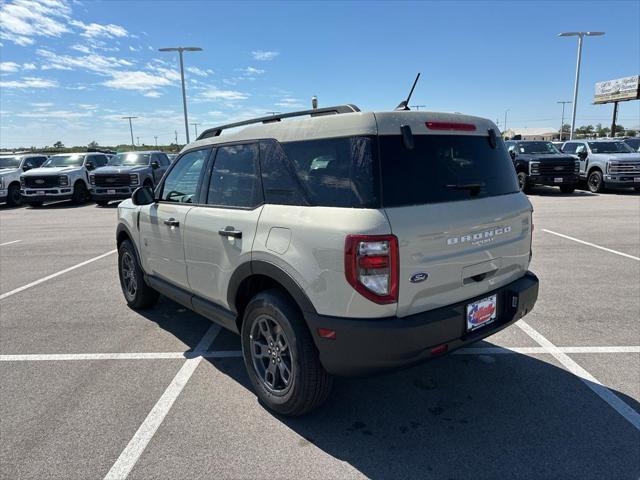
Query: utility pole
(176, 132)
(130, 129)
(562, 121)
(418, 107)
(180, 50)
(138, 140)
(580, 35)
(613, 122)
(195, 125)
(156, 137)
(505, 120)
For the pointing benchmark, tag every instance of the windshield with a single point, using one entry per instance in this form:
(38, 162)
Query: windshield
(129, 159)
(537, 147)
(444, 168)
(64, 161)
(9, 162)
(610, 147)
(634, 143)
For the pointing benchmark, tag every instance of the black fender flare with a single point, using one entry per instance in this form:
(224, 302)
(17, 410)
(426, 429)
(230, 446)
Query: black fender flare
(267, 269)
(123, 228)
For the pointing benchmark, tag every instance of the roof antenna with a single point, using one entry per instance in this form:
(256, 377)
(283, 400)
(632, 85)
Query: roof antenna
(404, 105)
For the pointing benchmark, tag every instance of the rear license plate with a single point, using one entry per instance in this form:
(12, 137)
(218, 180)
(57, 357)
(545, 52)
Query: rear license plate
(636, 179)
(40, 192)
(482, 312)
(111, 191)
(557, 180)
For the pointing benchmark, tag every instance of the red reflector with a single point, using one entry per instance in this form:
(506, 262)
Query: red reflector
(440, 349)
(326, 333)
(374, 262)
(464, 127)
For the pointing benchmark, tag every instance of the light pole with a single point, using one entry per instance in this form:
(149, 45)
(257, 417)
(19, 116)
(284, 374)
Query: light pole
(580, 35)
(184, 94)
(156, 137)
(562, 120)
(504, 127)
(131, 130)
(195, 126)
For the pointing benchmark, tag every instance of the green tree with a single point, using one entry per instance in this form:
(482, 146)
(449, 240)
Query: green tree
(93, 144)
(632, 133)
(58, 145)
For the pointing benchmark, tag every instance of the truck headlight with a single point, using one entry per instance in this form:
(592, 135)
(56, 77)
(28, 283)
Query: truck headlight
(534, 168)
(22, 182)
(576, 166)
(63, 181)
(134, 179)
(92, 179)
(1, 183)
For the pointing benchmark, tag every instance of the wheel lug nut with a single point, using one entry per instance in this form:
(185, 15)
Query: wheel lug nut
(278, 359)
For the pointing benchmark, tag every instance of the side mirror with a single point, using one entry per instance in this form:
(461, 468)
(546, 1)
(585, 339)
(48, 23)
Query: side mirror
(143, 196)
(155, 165)
(26, 167)
(512, 154)
(583, 154)
(91, 166)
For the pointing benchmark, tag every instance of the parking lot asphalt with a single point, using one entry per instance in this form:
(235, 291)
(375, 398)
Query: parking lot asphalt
(91, 389)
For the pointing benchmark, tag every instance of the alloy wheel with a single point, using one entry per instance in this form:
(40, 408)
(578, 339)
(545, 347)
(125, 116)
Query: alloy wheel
(271, 355)
(129, 280)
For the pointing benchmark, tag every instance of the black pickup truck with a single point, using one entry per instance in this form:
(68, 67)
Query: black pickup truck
(541, 163)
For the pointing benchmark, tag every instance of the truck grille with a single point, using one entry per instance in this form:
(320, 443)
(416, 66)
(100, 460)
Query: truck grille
(45, 181)
(115, 180)
(624, 167)
(556, 167)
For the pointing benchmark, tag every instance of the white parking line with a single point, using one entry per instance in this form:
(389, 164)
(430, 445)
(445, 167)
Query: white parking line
(9, 243)
(54, 275)
(592, 244)
(589, 380)
(70, 357)
(130, 455)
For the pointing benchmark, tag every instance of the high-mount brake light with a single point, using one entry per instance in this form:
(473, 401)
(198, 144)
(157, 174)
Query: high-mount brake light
(462, 127)
(371, 266)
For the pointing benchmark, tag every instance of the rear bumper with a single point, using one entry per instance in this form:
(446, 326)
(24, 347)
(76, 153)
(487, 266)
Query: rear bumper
(551, 180)
(368, 346)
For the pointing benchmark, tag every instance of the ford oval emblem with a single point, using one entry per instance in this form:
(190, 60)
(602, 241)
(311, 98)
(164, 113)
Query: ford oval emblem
(418, 277)
(39, 181)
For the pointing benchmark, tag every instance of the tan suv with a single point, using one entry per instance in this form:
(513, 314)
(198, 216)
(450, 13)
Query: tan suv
(337, 243)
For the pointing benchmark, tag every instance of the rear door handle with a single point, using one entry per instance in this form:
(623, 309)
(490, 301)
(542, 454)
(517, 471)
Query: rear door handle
(172, 222)
(230, 232)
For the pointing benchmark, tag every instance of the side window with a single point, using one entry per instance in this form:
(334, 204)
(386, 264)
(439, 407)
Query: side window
(164, 161)
(181, 185)
(279, 181)
(569, 148)
(235, 180)
(31, 163)
(38, 161)
(580, 148)
(154, 158)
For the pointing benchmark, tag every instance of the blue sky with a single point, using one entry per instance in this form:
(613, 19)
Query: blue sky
(71, 69)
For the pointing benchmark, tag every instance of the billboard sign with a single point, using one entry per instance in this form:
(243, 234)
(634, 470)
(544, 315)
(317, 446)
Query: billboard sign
(619, 90)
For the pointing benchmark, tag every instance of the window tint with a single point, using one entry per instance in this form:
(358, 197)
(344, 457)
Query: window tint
(164, 161)
(580, 148)
(336, 172)
(569, 147)
(98, 160)
(37, 161)
(444, 168)
(279, 181)
(235, 177)
(181, 185)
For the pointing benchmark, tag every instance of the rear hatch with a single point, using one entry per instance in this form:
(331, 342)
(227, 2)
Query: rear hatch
(452, 201)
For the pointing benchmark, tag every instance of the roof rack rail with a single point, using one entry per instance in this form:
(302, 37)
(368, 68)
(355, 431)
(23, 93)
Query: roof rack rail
(216, 131)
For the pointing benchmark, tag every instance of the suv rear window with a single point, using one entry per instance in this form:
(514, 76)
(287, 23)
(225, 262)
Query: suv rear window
(336, 172)
(443, 168)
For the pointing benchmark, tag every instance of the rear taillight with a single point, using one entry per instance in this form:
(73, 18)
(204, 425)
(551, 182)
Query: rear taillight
(463, 127)
(371, 266)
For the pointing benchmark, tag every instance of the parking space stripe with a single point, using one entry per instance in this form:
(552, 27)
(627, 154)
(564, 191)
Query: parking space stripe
(71, 357)
(54, 275)
(9, 243)
(136, 446)
(592, 245)
(589, 380)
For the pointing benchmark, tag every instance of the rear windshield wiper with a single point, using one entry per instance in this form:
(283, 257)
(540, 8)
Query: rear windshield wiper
(474, 188)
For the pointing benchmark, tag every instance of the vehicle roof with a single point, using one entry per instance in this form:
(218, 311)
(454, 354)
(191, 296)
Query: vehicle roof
(348, 124)
(140, 151)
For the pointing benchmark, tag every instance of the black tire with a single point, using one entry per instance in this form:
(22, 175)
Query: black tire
(35, 204)
(102, 203)
(80, 193)
(308, 384)
(523, 182)
(595, 182)
(567, 188)
(14, 199)
(139, 295)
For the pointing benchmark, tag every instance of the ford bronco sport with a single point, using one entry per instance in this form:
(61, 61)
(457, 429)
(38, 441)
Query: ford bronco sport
(343, 243)
(61, 177)
(124, 173)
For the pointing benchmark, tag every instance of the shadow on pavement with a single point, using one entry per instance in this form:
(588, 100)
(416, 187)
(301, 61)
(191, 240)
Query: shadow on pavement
(459, 416)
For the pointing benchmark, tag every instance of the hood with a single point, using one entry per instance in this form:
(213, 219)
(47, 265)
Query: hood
(50, 171)
(110, 170)
(620, 157)
(4, 171)
(545, 157)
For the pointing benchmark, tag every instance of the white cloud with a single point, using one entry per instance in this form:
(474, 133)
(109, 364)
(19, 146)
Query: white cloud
(24, 19)
(197, 71)
(96, 30)
(289, 102)
(81, 48)
(63, 114)
(214, 94)
(264, 55)
(41, 104)
(28, 66)
(9, 67)
(29, 82)
(153, 94)
(134, 49)
(93, 62)
(251, 71)
(136, 80)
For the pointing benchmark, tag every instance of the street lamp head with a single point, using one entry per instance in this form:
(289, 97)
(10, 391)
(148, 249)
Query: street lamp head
(569, 34)
(594, 34)
(580, 34)
(192, 49)
(180, 49)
